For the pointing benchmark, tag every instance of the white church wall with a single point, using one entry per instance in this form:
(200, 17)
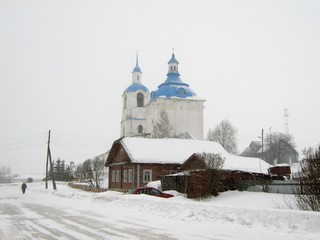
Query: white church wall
(184, 115)
(132, 98)
(131, 128)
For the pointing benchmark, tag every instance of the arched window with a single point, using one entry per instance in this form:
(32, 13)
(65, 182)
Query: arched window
(140, 100)
(140, 129)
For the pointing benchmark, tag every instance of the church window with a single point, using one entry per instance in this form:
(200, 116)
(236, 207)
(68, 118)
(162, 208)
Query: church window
(125, 102)
(140, 100)
(137, 77)
(140, 129)
(181, 91)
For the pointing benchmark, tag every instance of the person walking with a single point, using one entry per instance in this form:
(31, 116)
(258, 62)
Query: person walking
(24, 187)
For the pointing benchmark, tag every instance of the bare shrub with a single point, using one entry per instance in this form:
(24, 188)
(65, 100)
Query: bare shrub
(213, 163)
(309, 198)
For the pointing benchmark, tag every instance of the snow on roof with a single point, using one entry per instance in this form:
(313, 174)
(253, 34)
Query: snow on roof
(185, 135)
(146, 150)
(34, 176)
(248, 164)
(176, 151)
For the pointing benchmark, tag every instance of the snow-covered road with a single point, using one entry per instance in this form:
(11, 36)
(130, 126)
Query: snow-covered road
(42, 221)
(74, 214)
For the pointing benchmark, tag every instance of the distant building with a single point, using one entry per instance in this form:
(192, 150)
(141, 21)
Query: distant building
(289, 156)
(141, 109)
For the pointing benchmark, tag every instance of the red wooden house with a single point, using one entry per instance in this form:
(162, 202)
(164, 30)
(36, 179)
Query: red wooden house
(133, 162)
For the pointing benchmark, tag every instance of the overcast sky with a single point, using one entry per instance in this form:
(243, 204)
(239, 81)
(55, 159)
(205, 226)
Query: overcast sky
(65, 64)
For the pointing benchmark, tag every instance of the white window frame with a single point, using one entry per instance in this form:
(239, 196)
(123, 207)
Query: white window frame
(147, 175)
(113, 176)
(130, 175)
(125, 175)
(117, 175)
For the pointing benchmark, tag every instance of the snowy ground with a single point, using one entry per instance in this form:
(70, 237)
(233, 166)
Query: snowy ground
(74, 214)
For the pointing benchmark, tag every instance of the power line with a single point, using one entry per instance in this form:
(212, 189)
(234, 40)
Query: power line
(15, 143)
(70, 150)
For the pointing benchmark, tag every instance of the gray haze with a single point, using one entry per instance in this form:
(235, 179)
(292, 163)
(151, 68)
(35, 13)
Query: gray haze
(65, 64)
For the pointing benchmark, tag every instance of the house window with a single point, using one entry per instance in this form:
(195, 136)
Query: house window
(140, 100)
(140, 129)
(125, 175)
(147, 176)
(130, 177)
(173, 171)
(117, 175)
(113, 176)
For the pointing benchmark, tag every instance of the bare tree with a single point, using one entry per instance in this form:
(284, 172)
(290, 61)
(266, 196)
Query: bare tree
(280, 146)
(5, 172)
(97, 168)
(79, 172)
(163, 128)
(91, 171)
(84, 170)
(225, 134)
(309, 175)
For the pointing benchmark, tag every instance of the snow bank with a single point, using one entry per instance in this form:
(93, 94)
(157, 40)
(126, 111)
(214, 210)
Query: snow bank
(251, 209)
(231, 215)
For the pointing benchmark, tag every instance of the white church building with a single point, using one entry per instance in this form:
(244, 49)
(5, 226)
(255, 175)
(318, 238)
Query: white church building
(142, 108)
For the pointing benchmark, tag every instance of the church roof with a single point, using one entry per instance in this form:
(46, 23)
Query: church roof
(173, 60)
(173, 87)
(134, 87)
(185, 135)
(137, 69)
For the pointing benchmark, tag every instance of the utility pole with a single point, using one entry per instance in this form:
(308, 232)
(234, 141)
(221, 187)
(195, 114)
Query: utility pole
(47, 160)
(262, 143)
(51, 165)
(286, 122)
(261, 149)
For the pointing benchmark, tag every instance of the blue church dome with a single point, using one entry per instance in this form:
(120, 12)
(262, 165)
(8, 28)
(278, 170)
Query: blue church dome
(173, 59)
(136, 87)
(137, 69)
(136, 80)
(173, 87)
